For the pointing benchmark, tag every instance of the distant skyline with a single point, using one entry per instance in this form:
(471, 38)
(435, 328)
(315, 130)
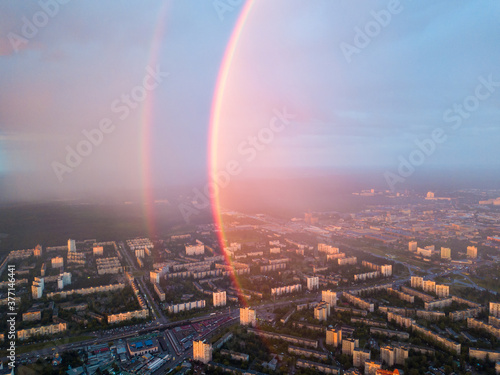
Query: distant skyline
(364, 82)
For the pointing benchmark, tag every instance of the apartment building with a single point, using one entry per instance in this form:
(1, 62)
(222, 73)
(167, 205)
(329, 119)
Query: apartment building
(202, 351)
(334, 337)
(248, 317)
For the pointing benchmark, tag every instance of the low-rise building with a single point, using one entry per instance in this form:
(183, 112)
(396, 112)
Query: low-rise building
(48, 330)
(325, 369)
(57, 262)
(122, 317)
(359, 302)
(442, 341)
(347, 261)
(483, 354)
(32, 315)
(307, 352)
(477, 324)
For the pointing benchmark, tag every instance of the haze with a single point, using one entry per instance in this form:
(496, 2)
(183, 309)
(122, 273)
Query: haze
(350, 111)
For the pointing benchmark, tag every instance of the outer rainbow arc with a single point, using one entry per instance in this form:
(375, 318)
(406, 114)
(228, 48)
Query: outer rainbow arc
(215, 128)
(147, 123)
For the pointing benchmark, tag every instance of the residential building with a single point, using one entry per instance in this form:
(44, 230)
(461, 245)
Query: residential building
(322, 311)
(429, 286)
(417, 282)
(482, 354)
(71, 246)
(371, 367)
(360, 356)
(63, 280)
(198, 249)
(442, 291)
(202, 351)
(313, 283)
(412, 246)
(438, 304)
(57, 262)
(334, 337)
(359, 302)
(122, 317)
(327, 249)
(348, 345)
(472, 252)
(248, 317)
(288, 338)
(52, 329)
(347, 261)
(445, 253)
(393, 355)
(307, 352)
(219, 298)
(37, 288)
(98, 250)
(495, 309)
(329, 297)
(32, 315)
(317, 366)
(37, 252)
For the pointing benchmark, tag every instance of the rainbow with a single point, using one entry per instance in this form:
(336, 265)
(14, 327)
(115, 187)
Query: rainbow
(147, 123)
(215, 130)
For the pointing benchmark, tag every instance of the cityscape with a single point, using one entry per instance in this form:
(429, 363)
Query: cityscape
(392, 288)
(249, 187)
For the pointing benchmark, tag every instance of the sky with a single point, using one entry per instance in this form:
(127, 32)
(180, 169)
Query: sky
(310, 85)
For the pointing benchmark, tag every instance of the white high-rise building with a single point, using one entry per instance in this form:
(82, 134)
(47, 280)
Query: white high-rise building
(202, 351)
(71, 246)
(219, 298)
(313, 282)
(63, 280)
(248, 317)
(329, 297)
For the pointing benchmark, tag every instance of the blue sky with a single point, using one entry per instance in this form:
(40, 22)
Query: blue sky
(366, 110)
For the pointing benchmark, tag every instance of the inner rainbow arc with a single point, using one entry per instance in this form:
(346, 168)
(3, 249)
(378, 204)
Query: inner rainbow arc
(214, 134)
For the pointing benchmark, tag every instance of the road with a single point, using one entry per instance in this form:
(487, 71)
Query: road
(156, 311)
